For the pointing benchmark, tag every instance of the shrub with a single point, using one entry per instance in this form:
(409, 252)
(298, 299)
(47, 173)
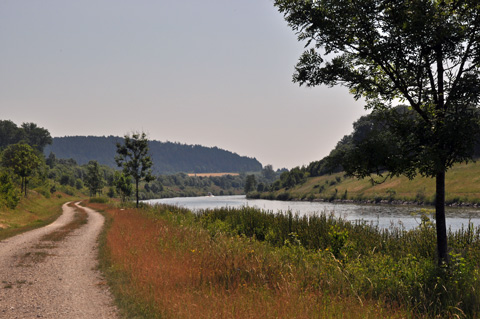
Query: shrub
(284, 196)
(99, 200)
(9, 195)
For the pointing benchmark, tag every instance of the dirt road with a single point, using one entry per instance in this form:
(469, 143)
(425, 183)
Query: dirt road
(40, 278)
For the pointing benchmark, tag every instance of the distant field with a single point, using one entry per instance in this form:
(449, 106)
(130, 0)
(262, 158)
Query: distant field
(213, 174)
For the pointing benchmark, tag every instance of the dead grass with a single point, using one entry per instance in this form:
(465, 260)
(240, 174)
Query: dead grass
(179, 271)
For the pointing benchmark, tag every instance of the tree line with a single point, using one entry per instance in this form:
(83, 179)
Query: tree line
(24, 167)
(167, 157)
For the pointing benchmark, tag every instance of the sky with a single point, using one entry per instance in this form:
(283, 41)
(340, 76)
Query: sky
(211, 72)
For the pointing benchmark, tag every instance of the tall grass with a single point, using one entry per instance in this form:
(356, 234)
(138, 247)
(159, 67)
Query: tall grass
(356, 259)
(162, 264)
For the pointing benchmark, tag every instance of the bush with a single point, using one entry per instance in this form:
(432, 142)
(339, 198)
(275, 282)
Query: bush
(9, 195)
(99, 200)
(284, 196)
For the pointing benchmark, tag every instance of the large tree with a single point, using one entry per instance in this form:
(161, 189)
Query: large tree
(133, 157)
(22, 160)
(37, 137)
(425, 53)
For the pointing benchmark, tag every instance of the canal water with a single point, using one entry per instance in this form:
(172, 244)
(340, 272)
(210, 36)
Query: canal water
(383, 216)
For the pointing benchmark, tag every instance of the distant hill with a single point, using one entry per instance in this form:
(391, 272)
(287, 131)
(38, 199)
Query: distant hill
(168, 157)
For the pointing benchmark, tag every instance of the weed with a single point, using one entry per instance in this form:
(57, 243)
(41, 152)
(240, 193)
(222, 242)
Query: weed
(80, 218)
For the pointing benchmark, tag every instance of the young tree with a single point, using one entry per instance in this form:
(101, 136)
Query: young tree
(94, 178)
(250, 184)
(22, 160)
(133, 157)
(123, 185)
(425, 53)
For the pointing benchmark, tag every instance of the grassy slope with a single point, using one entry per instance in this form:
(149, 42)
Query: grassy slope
(32, 212)
(462, 185)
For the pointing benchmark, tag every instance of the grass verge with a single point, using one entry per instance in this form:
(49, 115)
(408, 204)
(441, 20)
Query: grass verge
(33, 212)
(162, 263)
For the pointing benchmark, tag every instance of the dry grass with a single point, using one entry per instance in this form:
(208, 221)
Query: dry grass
(462, 184)
(179, 271)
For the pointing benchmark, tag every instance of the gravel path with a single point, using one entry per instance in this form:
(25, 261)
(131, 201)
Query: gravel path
(43, 279)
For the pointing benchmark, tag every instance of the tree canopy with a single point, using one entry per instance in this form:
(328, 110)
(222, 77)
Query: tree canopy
(29, 133)
(22, 160)
(423, 53)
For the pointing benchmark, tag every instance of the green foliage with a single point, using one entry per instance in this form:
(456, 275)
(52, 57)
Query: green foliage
(94, 179)
(99, 200)
(134, 159)
(9, 196)
(250, 184)
(28, 133)
(392, 265)
(424, 53)
(168, 158)
(36, 137)
(268, 173)
(22, 160)
(123, 185)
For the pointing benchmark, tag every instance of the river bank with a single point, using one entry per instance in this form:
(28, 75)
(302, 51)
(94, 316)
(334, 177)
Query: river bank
(462, 184)
(373, 201)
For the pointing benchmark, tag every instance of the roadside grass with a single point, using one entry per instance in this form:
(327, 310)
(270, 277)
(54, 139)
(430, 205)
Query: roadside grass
(35, 211)
(162, 263)
(462, 185)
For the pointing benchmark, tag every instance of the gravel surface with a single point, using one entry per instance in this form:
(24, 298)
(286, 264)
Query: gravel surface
(43, 279)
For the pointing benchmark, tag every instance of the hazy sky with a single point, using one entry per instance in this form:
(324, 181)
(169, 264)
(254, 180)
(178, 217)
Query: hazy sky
(211, 72)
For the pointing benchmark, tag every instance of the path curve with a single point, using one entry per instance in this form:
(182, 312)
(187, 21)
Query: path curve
(38, 281)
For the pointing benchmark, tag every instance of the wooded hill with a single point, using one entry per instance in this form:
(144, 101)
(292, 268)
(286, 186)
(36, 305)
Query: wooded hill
(168, 157)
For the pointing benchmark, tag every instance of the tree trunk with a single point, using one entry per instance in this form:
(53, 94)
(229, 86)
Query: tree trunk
(440, 218)
(136, 190)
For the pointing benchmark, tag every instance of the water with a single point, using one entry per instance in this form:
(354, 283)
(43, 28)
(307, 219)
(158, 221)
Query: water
(382, 215)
